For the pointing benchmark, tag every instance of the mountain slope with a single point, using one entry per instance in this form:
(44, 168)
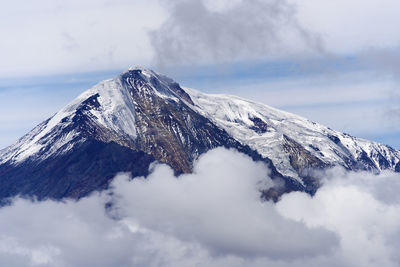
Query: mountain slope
(125, 123)
(292, 143)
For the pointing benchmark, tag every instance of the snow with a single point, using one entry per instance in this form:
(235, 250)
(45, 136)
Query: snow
(33, 146)
(233, 114)
(117, 111)
(165, 92)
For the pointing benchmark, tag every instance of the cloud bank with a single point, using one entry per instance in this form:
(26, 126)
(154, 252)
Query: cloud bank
(213, 217)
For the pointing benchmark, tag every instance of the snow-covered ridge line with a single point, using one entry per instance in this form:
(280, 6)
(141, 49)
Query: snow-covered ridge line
(114, 110)
(237, 116)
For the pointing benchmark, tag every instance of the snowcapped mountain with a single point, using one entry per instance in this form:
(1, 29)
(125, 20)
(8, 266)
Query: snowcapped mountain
(125, 123)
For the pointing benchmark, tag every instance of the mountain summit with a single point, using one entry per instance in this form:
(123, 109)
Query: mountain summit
(126, 123)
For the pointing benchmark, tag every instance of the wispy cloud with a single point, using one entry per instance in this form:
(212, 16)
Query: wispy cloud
(196, 32)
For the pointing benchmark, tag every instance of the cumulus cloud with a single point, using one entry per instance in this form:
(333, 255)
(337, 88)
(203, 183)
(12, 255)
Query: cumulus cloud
(200, 31)
(219, 206)
(363, 209)
(213, 217)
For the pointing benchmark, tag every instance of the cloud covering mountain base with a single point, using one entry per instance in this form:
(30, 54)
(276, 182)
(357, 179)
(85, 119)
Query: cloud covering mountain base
(212, 217)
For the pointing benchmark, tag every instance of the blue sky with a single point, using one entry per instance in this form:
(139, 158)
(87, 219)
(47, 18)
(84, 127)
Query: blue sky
(334, 63)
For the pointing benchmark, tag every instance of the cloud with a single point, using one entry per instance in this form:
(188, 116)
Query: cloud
(213, 217)
(386, 62)
(373, 25)
(219, 31)
(383, 60)
(219, 207)
(363, 209)
(47, 37)
(54, 37)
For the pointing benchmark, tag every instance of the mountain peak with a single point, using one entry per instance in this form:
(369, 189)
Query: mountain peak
(146, 73)
(141, 68)
(124, 123)
(147, 82)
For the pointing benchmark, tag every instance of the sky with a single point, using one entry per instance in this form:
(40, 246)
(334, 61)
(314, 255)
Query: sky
(334, 62)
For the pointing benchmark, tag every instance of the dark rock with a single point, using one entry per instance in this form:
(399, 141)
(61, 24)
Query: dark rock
(260, 126)
(88, 167)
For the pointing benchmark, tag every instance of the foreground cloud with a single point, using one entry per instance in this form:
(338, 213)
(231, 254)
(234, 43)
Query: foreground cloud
(213, 217)
(219, 207)
(361, 208)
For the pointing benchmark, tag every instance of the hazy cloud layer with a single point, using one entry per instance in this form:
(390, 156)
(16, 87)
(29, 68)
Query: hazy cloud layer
(199, 31)
(213, 217)
(52, 36)
(46, 37)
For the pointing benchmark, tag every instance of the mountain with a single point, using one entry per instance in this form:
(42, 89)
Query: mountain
(126, 123)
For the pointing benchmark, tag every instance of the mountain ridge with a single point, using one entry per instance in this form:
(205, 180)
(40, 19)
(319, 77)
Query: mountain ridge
(338, 148)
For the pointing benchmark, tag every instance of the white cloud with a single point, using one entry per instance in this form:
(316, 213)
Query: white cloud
(363, 209)
(219, 207)
(213, 217)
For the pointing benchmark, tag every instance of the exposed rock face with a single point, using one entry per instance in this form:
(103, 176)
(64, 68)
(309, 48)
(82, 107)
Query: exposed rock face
(89, 166)
(124, 124)
(168, 129)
